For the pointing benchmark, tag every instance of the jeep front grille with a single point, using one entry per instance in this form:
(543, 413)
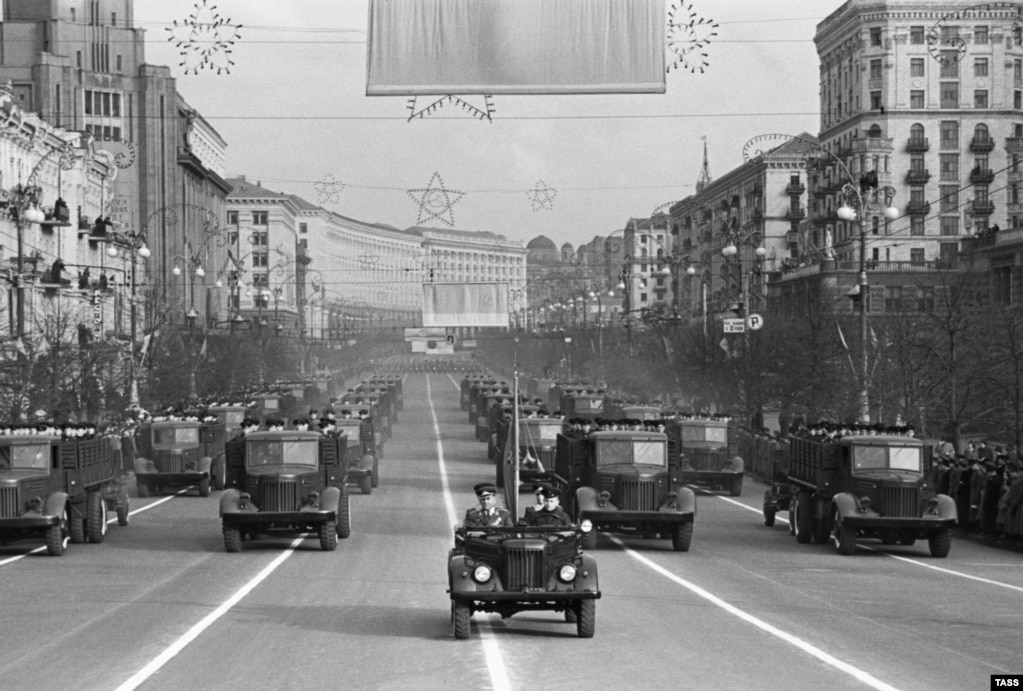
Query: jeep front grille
(524, 568)
(900, 502)
(278, 496)
(637, 495)
(10, 504)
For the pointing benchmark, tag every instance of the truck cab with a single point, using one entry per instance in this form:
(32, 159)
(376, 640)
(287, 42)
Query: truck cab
(709, 456)
(537, 449)
(361, 450)
(180, 453)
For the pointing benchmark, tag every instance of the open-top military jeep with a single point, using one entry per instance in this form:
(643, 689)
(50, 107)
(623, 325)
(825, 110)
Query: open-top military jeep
(290, 482)
(180, 453)
(510, 570)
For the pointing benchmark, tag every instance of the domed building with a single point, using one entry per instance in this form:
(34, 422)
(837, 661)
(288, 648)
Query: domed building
(541, 250)
(567, 253)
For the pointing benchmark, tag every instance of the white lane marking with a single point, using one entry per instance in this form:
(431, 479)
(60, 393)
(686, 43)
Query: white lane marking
(914, 562)
(805, 646)
(491, 652)
(163, 658)
(38, 550)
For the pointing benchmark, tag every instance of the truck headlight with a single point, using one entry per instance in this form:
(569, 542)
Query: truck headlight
(566, 574)
(586, 525)
(482, 573)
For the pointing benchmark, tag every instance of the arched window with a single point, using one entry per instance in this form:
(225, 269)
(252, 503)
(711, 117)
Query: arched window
(874, 132)
(916, 132)
(981, 133)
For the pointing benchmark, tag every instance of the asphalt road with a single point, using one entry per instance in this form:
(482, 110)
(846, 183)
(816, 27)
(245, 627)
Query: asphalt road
(160, 605)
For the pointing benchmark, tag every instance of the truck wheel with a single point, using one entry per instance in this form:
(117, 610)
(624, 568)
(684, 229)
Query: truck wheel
(735, 489)
(769, 512)
(328, 536)
(143, 490)
(589, 540)
(96, 517)
(586, 621)
(680, 539)
(940, 542)
(571, 615)
(821, 531)
(803, 519)
(77, 528)
(232, 540)
(844, 538)
(366, 484)
(460, 617)
(204, 487)
(57, 536)
(220, 474)
(344, 517)
(123, 511)
(376, 471)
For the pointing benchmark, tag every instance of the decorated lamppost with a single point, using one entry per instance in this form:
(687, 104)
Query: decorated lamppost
(132, 245)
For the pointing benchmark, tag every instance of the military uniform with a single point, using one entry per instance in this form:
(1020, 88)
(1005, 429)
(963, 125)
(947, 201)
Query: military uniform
(482, 518)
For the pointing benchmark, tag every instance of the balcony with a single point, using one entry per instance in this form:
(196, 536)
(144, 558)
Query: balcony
(795, 212)
(982, 176)
(1014, 144)
(917, 145)
(792, 237)
(918, 177)
(795, 188)
(983, 208)
(918, 208)
(982, 145)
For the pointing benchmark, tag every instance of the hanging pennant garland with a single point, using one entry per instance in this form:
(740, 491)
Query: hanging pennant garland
(485, 113)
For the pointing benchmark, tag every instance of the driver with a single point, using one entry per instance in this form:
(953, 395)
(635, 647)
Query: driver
(551, 513)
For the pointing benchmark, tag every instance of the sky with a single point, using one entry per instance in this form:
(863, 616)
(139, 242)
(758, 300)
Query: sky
(290, 101)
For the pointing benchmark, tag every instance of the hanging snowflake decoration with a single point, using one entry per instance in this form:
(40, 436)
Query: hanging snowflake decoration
(948, 47)
(484, 113)
(541, 197)
(688, 37)
(204, 40)
(329, 189)
(435, 201)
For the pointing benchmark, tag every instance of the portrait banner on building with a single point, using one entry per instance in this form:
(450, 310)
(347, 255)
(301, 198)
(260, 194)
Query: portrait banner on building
(439, 47)
(465, 304)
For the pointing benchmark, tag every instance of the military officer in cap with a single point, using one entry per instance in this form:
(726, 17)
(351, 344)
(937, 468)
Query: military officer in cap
(551, 514)
(489, 515)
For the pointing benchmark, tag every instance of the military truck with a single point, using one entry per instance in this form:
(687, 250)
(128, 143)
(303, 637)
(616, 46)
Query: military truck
(180, 453)
(511, 570)
(289, 482)
(537, 448)
(58, 490)
(708, 446)
(864, 486)
(362, 451)
(231, 416)
(586, 405)
(625, 481)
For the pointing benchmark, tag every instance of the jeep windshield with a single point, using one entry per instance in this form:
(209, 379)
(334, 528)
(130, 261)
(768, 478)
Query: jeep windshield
(631, 452)
(165, 436)
(25, 457)
(906, 458)
(698, 433)
(279, 452)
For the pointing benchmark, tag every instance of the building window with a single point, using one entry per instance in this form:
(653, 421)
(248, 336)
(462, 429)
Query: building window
(949, 134)
(303, 228)
(260, 258)
(875, 225)
(119, 68)
(916, 35)
(642, 297)
(875, 100)
(916, 225)
(259, 238)
(949, 95)
(949, 167)
(916, 255)
(1017, 70)
(875, 69)
(916, 164)
(949, 199)
(916, 67)
(916, 195)
(949, 225)
(892, 298)
(980, 67)
(78, 59)
(916, 99)
(980, 98)
(875, 36)
(232, 218)
(259, 218)
(949, 64)
(924, 300)
(980, 35)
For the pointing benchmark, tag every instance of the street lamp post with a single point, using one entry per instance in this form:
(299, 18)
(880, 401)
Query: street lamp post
(133, 245)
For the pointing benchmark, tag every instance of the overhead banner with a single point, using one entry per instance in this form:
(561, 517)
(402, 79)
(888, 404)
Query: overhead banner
(440, 47)
(465, 304)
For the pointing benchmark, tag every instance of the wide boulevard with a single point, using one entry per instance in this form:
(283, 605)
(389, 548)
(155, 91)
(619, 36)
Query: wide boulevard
(160, 605)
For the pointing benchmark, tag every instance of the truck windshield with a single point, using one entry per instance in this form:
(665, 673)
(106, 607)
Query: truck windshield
(25, 457)
(175, 435)
(233, 417)
(631, 452)
(279, 452)
(887, 458)
(534, 432)
(718, 435)
(270, 404)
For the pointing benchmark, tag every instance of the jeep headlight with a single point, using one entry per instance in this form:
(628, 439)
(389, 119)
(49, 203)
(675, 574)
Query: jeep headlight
(566, 573)
(482, 573)
(586, 525)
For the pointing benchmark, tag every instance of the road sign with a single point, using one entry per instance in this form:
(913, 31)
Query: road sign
(734, 326)
(755, 322)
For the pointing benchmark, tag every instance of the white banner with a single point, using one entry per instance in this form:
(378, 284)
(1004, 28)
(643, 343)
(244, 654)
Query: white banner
(445, 47)
(465, 304)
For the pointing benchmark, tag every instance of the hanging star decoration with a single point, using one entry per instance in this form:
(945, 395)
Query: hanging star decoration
(688, 37)
(541, 197)
(204, 40)
(484, 113)
(329, 189)
(435, 201)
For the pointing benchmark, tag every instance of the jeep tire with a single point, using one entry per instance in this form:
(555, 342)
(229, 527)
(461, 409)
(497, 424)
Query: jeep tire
(461, 617)
(232, 539)
(586, 615)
